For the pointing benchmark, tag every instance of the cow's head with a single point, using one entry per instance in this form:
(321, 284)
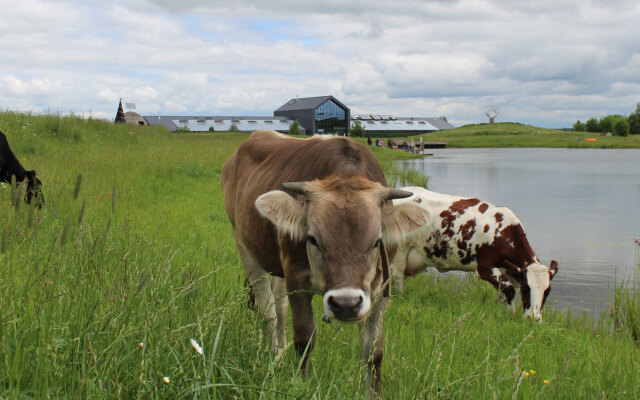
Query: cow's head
(34, 189)
(344, 221)
(535, 285)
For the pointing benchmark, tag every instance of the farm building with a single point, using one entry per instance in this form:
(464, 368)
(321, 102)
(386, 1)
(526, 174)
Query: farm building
(387, 124)
(323, 114)
(221, 123)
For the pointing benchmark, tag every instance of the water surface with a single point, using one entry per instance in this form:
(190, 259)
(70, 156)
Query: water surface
(579, 207)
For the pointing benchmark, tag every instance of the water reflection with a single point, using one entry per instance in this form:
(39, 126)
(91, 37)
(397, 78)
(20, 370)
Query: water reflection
(578, 206)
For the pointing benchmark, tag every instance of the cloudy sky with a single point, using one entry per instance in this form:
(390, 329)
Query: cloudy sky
(544, 62)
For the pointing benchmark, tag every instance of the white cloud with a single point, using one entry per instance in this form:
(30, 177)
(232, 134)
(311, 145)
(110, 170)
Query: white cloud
(546, 62)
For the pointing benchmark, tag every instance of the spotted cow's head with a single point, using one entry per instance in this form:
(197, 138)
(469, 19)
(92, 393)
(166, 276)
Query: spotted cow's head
(535, 285)
(344, 221)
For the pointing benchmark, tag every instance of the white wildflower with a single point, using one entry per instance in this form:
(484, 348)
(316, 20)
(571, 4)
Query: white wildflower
(196, 346)
(166, 380)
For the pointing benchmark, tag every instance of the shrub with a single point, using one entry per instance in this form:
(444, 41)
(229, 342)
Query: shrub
(592, 125)
(234, 128)
(634, 123)
(294, 128)
(621, 127)
(357, 129)
(211, 129)
(579, 126)
(607, 123)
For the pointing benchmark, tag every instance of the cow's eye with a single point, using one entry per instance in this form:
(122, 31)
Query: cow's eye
(377, 243)
(312, 241)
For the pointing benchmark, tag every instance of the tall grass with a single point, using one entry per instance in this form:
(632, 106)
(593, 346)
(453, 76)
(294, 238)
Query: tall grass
(102, 290)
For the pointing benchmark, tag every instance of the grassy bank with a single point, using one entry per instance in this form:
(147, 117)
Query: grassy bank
(102, 292)
(518, 135)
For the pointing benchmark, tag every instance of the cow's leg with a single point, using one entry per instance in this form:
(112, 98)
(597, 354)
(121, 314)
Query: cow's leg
(494, 276)
(279, 289)
(373, 350)
(508, 292)
(399, 267)
(397, 273)
(304, 326)
(261, 288)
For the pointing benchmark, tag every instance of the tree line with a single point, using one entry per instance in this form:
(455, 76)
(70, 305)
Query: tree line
(616, 124)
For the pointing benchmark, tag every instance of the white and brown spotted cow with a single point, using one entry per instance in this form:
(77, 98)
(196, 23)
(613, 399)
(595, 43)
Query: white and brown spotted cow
(324, 232)
(467, 234)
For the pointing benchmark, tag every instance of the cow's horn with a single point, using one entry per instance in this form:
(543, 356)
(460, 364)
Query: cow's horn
(297, 187)
(392, 194)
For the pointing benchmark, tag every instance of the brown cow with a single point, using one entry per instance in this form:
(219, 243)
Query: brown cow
(323, 234)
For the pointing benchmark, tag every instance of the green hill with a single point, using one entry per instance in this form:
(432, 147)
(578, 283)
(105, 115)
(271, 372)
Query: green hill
(508, 134)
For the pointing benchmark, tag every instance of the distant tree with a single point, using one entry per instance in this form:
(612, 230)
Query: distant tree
(607, 123)
(234, 128)
(579, 126)
(634, 121)
(591, 125)
(212, 129)
(442, 117)
(621, 127)
(294, 128)
(357, 129)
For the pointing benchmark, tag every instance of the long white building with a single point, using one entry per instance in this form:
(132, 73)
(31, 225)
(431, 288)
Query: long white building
(324, 114)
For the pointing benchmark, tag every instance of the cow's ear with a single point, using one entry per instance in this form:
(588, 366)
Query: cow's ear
(515, 271)
(553, 269)
(286, 213)
(399, 222)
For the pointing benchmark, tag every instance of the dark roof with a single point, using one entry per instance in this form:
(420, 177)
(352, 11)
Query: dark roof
(440, 123)
(306, 103)
(120, 119)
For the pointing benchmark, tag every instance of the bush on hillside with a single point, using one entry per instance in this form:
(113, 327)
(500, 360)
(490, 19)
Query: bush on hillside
(621, 127)
(634, 121)
(579, 126)
(607, 123)
(591, 125)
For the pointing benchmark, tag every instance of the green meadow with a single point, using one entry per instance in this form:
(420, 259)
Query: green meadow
(508, 134)
(102, 289)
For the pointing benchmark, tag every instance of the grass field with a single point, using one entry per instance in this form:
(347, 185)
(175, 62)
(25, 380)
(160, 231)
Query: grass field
(517, 135)
(102, 290)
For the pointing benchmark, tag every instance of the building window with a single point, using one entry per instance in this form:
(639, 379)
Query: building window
(331, 118)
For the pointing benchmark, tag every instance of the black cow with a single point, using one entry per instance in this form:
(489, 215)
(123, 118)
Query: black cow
(10, 166)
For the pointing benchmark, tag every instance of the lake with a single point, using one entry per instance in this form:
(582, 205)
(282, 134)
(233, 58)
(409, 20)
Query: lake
(579, 207)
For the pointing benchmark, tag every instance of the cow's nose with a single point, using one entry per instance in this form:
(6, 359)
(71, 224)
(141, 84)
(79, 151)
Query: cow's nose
(345, 307)
(534, 317)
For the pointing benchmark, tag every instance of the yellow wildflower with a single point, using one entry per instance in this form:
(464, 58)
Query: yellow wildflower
(533, 372)
(166, 380)
(546, 382)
